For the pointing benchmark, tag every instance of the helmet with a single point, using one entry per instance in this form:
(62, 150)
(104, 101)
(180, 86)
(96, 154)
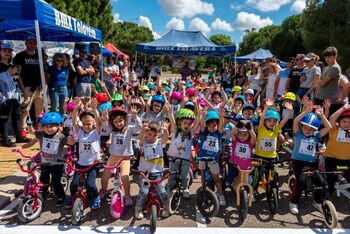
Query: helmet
(212, 114)
(344, 114)
(167, 89)
(236, 88)
(201, 102)
(190, 92)
(164, 83)
(145, 88)
(290, 96)
(311, 120)
(248, 107)
(176, 95)
(117, 111)
(117, 97)
(105, 106)
(249, 91)
(228, 90)
(147, 96)
(150, 85)
(51, 118)
(70, 106)
(158, 98)
(189, 104)
(272, 114)
(188, 85)
(240, 97)
(135, 101)
(101, 97)
(185, 114)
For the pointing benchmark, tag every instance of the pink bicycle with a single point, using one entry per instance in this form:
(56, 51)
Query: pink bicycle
(118, 194)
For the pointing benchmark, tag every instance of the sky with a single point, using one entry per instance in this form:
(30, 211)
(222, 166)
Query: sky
(229, 17)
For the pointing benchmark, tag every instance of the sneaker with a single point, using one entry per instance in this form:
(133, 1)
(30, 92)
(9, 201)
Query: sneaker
(165, 212)
(318, 206)
(138, 213)
(8, 143)
(23, 140)
(69, 202)
(128, 201)
(186, 194)
(103, 193)
(60, 202)
(293, 208)
(222, 200)
(96, 203)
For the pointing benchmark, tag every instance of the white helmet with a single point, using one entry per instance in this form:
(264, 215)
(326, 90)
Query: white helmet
(249, 91)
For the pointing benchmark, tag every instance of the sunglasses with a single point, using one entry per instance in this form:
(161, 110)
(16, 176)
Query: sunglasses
(298, 59)
(59, 61)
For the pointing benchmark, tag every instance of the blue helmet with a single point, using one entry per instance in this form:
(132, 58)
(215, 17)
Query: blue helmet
(167, 89)
(272, 114)
(212, 114)
(105, 106)
(311, 120)
(151, 86)
(241, 97)
(228, 90)
(51, 118)
(189, 104)
(188, 85)
(158, 98)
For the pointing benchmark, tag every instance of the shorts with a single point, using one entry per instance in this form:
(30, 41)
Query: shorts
(84, 90)
(213, 166)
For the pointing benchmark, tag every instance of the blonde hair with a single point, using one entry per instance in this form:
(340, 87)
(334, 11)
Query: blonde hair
(61, 56)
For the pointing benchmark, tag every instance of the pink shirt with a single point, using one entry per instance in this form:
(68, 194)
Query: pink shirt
(241, 153)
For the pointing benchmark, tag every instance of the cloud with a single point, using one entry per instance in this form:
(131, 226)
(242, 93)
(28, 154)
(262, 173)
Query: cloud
(156, 35)
(186, 8)
(267, 5)
(198, 24)
(219, 24)
(246, 20)
(145, 21)
(175, 23)
(116, 18)
(236, 6)
(298, 6)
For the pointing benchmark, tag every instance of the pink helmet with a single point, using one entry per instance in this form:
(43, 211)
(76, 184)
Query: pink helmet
(201, 102)
(176, 95)
(70, 106)
(191, 92)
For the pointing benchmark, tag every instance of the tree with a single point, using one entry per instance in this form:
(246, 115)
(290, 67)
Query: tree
(221, 39)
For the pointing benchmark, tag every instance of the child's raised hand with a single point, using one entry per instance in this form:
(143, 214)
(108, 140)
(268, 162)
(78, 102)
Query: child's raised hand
(77, 103)
(288, 105)
(145, 126)
(309, 106)
(346, 107)
(319, 110)
(305, 100)
(94, 103)
(104, 115)
(327, 104)
(167, 107)
(133, 110)
(268, 102)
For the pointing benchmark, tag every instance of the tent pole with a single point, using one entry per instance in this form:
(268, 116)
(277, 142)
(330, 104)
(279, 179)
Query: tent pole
(41, 64)
(235, 61)
(101, 54)
(135, 57)
(145, 59)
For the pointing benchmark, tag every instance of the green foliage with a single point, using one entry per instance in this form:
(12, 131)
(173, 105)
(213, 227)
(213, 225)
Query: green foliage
(221, 39)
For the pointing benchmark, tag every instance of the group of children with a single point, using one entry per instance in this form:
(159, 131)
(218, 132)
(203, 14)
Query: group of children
(198, 118)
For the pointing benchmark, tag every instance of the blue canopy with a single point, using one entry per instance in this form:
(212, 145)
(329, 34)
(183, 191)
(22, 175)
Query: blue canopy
(184, 43)
(258, 55)
(17, 23)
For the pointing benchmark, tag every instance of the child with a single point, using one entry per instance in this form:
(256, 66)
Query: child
(176, 98)
(291, 98)
(89, 148)
(305, 128)
(238, 103)
(154, 109)
(52, 142)
(180, 146)
(152, 162)
(121, 147)
(338, 147)
(243, 140)
(211, 128)
(217, 101)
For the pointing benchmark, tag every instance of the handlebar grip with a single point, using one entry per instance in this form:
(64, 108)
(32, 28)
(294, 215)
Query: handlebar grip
(343, 168)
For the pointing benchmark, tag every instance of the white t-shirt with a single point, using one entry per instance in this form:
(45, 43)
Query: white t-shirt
(270, 86)
(111, 69)
(89, 147)
(180, 147)
(152, 160)
(254, 82)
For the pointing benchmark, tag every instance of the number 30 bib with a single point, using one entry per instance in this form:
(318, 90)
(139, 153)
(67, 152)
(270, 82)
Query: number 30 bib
(211, 144)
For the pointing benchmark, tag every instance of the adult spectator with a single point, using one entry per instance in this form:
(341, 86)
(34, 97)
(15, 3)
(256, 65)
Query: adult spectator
(111, 70)
(293, 84)
(185, 71)
(84, 72)
(239, 78)
(225, 77)
(342, 93)
(124, 71)
(196, 73)
(56, 79)
(27, 63)
(72, 77)
(271, 80)
(309, 76)
(9, 98)
(140, 71)
(155, 72)
(282, 78)
(327, 85)
(254, 79)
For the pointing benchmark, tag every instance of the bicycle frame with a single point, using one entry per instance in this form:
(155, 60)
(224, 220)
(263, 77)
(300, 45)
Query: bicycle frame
(270, 180)
(118, 183)
(242, 182)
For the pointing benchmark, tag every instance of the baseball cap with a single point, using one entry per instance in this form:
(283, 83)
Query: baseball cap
(309, 57)
(6, 46)
(31, 38)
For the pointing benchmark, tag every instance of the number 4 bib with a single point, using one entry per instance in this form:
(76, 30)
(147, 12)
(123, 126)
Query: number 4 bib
(211, 144)
(50, 146)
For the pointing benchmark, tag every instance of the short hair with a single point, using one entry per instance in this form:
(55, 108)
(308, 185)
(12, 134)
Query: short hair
(154, 127)
(61, 56)
(330, 51)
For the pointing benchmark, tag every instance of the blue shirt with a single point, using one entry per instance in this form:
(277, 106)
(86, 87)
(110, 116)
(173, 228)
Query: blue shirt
(58, 77)
(284, 73)
(305, 147)
(85, 64)
(210, 144)
(226, 134)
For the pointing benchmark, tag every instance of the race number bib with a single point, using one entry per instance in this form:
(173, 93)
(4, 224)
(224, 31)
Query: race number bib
(152, 151)
(181, 148)
(284, 113)
(119, 140)
(50, 146)
(211, 144)
(307, 147)
(343, 136)
(267, 144)
(242, 150)
(87, 148)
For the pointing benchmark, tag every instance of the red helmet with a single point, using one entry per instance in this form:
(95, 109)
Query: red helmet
(176, 95)
(117, 111)
(191, 92)
(101, 98)
(344, 114)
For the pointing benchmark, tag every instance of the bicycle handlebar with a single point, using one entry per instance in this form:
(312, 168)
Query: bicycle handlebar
(166, 174)
(83, 170)
(21, 166)
(343, 168)
(259, 161)
(19, 151)
(111, 167)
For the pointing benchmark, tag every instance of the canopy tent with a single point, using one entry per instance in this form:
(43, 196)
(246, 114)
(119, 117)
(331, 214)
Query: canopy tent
(184, 43)
(113, 49)
(258, 55)
(21, 19)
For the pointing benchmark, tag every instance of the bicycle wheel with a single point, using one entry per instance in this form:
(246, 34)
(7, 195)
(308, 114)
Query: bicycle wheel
(26, 212)
(153, 218)
(77, 211)
(116, 208)
(174, 201)
(272, 199)
(65, 182)
(207, 202)
(291, 183)
(244, 204)
(330, 214)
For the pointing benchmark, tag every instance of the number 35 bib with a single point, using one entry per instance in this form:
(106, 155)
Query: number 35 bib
(267, 144)
(211, 144)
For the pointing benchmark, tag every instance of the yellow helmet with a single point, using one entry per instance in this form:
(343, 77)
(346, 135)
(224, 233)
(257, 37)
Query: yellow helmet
(290, 96)
(145, 88)
(236, 89)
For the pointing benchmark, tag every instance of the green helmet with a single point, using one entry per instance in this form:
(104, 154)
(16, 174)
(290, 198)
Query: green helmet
(117, 97)
(185, 113)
